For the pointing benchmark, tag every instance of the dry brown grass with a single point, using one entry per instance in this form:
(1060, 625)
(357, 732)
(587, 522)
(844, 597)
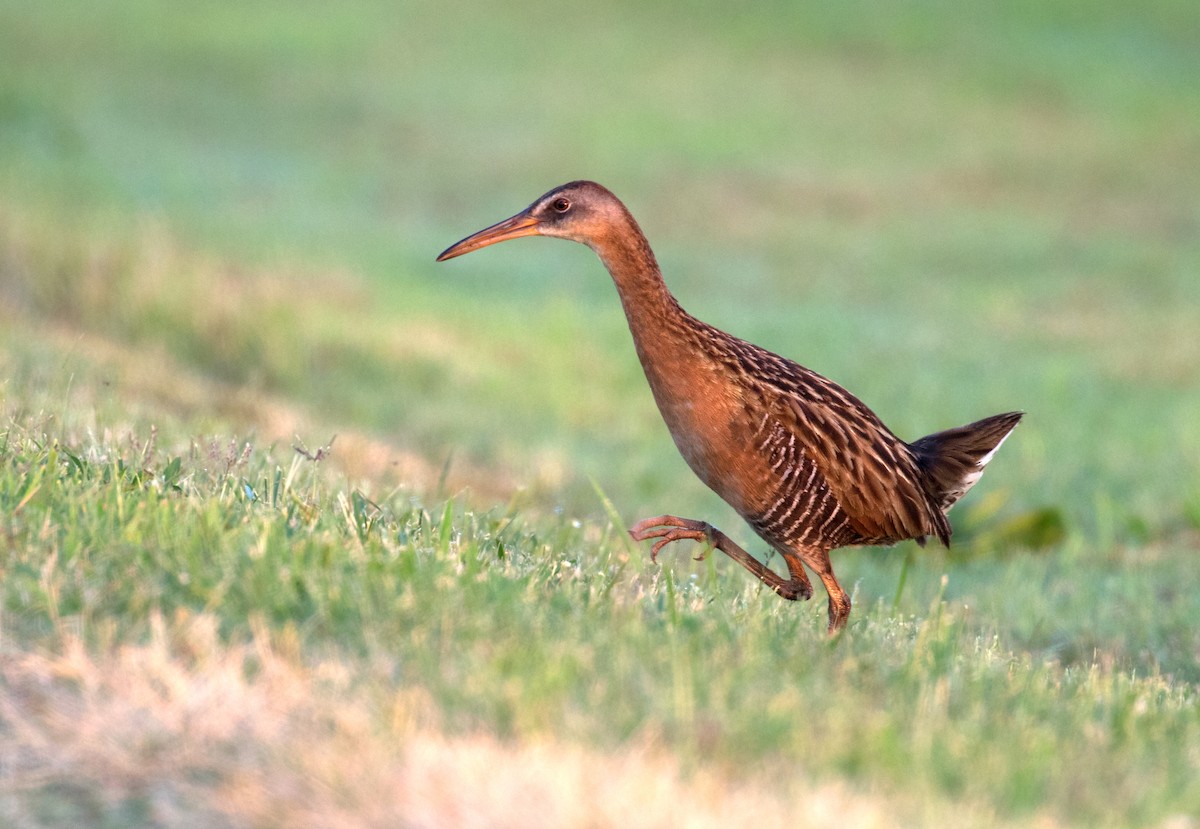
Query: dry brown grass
(197, 733)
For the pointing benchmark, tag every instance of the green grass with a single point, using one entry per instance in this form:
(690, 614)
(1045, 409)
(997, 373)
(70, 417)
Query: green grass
(529, 630)
(217, 228)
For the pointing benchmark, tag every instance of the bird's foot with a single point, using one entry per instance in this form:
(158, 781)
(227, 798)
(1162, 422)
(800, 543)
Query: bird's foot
(668, 528)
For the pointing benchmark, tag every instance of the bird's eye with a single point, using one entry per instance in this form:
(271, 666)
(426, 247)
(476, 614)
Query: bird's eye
(561, 205)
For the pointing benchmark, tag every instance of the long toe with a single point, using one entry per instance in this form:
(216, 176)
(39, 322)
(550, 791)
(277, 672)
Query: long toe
(669, 528)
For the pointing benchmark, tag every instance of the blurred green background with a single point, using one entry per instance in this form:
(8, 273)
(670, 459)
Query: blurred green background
(220, 219)
(951, 208)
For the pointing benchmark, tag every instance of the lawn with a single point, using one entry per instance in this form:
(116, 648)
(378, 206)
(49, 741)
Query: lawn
(301, 528)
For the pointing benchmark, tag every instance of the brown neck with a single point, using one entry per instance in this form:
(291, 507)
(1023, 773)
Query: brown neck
(673, 348)
(650, 308)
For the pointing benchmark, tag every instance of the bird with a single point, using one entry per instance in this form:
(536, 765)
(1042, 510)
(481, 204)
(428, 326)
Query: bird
(806, 464)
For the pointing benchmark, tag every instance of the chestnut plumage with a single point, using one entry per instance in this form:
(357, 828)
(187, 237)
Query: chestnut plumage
(807, 465)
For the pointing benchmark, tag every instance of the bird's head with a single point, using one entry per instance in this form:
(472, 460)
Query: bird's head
(581, 211)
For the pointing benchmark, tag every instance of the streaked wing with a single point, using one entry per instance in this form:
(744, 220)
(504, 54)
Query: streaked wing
(869, 471)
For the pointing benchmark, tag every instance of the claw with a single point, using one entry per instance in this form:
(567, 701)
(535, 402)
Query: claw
(658, 546)
(667, 533)
(666, 536)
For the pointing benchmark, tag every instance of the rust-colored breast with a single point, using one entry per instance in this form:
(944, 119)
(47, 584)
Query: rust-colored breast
(815, 466)
(800, 458)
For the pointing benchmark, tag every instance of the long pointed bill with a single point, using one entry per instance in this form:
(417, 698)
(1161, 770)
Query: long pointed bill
(521, 224)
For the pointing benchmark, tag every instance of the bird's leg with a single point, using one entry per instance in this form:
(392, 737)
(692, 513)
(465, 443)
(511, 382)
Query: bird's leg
(839, 600)
(668, 528)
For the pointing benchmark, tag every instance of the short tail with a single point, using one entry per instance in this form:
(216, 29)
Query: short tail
(953, 460)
